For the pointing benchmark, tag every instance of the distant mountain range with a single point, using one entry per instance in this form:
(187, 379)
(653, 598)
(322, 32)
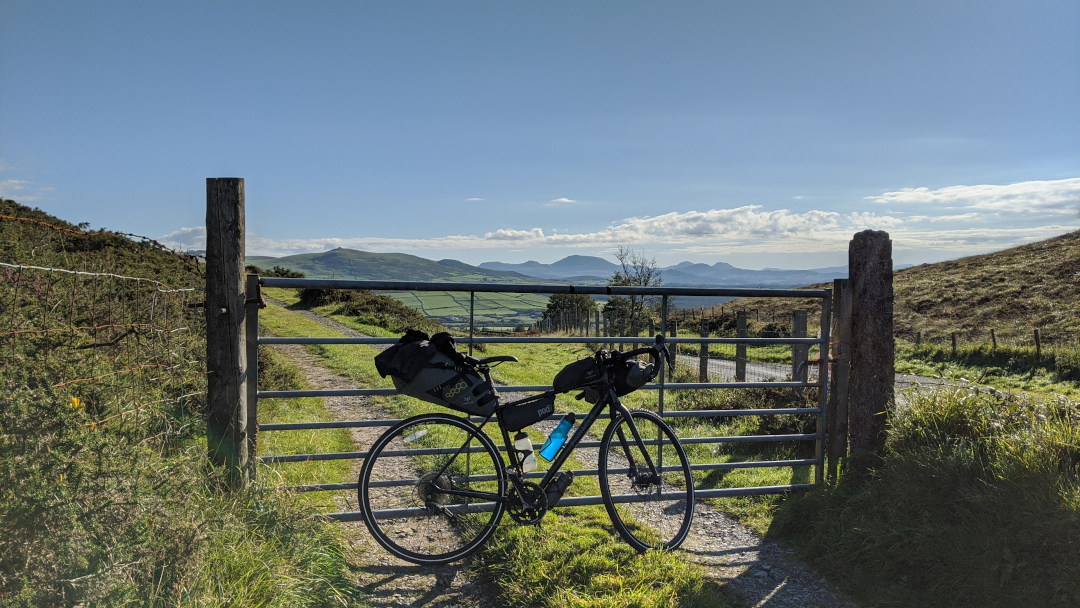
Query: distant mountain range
(581, 269)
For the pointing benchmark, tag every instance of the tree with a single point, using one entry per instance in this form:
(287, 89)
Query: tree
(636, 270)
(566, 310)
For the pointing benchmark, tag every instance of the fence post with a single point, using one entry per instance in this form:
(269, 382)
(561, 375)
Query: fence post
(953, 337)
(703, 356)
(799, 352)
(993, 341)
(838, 396)
(1038, 344)
(740, 348)
(226, 356)
(871, 383)
(253, 303)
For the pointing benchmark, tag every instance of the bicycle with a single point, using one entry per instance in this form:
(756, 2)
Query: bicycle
(434, 488)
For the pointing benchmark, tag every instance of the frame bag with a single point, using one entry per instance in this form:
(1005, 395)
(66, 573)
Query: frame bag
(432, 370)
(518, 415)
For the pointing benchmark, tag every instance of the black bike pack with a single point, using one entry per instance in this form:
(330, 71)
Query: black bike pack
(578, 374)
(630, 375)
(520, 414)
(431, 369)
(627, 375)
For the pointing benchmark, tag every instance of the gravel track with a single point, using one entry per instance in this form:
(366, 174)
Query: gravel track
(755, 572)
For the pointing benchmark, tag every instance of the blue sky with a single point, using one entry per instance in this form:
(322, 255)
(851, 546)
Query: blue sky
(757, 133)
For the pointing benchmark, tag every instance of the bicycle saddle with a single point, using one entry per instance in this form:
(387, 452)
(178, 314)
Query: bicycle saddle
(486, 360)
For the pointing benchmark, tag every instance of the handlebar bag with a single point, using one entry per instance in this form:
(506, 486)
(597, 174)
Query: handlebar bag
(631, 375)
(421, 369)
(577, 375)
(520, 414)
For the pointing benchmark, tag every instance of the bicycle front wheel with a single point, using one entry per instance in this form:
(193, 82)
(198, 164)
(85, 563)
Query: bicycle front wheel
(647, 485)
(407, 482)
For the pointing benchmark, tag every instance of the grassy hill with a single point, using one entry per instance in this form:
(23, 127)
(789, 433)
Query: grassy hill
(492, 310)
(106, 497)
(367, 266)
(1011, 291)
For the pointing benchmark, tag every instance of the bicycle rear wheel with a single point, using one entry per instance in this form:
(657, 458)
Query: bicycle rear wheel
(649, 510)
(403, 483)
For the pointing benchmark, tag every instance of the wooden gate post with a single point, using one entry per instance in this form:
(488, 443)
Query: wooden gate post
(703, 356)
(871, 383)
(838, 393)
(799, 352)
(226, 357)
(740, 348)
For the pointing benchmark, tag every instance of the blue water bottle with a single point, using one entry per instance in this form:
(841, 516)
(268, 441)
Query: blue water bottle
(557, 437)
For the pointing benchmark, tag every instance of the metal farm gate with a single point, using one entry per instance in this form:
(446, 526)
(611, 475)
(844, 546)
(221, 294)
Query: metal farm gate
(800, 378)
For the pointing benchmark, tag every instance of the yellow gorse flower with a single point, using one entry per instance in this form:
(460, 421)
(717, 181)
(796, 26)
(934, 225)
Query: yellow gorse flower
(76, 403)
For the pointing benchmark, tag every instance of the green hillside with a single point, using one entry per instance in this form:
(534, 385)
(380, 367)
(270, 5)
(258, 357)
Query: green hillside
(1012, 291)
(492, 310)
(367, 266)
(106, 498)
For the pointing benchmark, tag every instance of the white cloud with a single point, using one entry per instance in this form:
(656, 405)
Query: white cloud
(1060, 196)
(563, 201)
(727, 225)
(470, 200)
(22, 190)
(185, 238)
(868, 220)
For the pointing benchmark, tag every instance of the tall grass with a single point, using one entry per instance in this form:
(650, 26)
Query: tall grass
(977, 503)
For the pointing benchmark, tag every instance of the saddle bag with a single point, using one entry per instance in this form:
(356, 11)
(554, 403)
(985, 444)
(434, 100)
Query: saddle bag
(520, 414)
(432, 370)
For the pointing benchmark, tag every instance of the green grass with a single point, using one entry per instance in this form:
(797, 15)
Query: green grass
(976, 504)
(1056, 371)
(581, 561)
(110, 500)
(276, 373)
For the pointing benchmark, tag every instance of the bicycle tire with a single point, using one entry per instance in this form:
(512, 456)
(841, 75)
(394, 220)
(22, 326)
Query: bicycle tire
(661, 511)
(401, 469)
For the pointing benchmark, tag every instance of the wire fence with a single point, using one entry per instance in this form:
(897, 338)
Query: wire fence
(112, 344)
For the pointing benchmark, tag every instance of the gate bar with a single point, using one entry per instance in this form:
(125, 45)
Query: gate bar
(346, 424)
(546, 340)
(583, 444)
(719, 466)
(599, 290)
(579, 501)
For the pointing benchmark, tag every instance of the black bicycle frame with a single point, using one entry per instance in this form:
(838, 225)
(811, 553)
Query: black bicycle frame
(617, 408)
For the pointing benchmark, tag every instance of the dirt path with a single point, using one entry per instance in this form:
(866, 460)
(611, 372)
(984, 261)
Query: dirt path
(756, 572)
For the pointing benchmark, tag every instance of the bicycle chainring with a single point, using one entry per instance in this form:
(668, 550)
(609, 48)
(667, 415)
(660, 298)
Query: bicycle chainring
(527, 515)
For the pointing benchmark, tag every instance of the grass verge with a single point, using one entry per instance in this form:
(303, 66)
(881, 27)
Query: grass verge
(977, 504)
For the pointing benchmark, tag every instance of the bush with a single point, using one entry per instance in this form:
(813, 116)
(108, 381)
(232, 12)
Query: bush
(977, 503)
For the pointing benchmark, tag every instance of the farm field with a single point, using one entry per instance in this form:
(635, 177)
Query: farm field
(493, 311)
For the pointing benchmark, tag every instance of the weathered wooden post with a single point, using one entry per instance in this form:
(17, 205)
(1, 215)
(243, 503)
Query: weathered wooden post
(871, 384)
(799, 352)
(251, 336)
(226, 343)
(993, 340)
(841, 355)
(1038, 344)
(740, 348)
(703, 356)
